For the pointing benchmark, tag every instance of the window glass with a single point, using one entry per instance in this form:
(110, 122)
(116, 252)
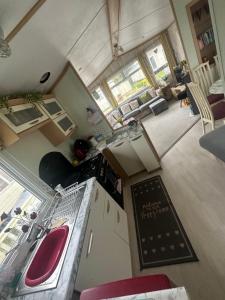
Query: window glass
(13, 198)
(102, 101)
(158, 62)
(128, 82)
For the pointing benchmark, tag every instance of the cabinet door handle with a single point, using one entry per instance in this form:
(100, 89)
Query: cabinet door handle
(119, 144)
(118, 217)
(90, 244)
(34, 122)
(136, 138)
(108, 207)
(96, 195)
(59, 113)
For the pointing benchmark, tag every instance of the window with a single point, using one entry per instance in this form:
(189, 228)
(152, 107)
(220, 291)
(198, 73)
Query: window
(127, 82)
(12, 196)
(102, 101)
(153, 63)
(159, 63)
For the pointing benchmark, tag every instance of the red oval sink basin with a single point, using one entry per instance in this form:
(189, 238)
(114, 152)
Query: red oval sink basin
(47, 256)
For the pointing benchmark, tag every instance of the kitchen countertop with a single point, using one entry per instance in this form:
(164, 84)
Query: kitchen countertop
(170, 294)
(66, 283)
(121, 135)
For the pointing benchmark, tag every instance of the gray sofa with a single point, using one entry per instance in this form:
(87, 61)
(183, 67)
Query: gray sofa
(142, 107)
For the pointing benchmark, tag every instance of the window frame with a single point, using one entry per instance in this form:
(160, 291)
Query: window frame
(125, 78)
(96, 101)
(32, 183)
(155, 72)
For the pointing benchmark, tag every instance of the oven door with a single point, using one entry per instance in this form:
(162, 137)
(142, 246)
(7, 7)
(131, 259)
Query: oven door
(23, 117)
(65, 124)
(52, 108)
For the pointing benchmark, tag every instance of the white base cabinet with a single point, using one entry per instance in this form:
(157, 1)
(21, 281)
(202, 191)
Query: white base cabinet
(135, 155)
(144, 152)
(106, 252)
(127, 157)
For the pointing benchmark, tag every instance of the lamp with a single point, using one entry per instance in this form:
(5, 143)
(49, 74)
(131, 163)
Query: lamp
(5, 50)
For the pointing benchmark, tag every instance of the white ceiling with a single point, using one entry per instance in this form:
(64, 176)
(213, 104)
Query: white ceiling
(76, 30)
(11, 12)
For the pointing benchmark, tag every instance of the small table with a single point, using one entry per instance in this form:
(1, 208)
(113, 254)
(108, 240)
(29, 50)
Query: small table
(217, 87)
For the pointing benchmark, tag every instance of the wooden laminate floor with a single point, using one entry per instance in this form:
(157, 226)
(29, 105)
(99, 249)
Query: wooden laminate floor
(195, 181)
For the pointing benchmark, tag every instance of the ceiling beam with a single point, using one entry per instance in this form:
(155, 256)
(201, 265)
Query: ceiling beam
(113, 12)
(25, 19)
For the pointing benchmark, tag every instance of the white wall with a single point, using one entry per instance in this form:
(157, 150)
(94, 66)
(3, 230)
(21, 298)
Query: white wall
(75, 99)
(185, 29)
(31, 148)
(176, 42)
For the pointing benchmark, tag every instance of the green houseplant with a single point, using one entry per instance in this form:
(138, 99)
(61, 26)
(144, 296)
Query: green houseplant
(29, 97)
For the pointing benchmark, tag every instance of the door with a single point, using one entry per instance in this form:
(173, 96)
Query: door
(93, 258)
(116, 218)
(64, 123)
(52, 108)
(23, 116)
(105, 256)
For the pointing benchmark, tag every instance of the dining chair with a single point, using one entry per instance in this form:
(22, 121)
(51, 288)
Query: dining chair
(216, 59)
(203, 76)
(209, 114)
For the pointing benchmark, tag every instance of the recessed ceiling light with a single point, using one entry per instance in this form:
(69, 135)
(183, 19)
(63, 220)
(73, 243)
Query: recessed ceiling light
(45, 77)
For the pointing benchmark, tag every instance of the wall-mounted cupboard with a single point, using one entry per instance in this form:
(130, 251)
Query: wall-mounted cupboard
(59, 129)
(24, 118)
(52, 108)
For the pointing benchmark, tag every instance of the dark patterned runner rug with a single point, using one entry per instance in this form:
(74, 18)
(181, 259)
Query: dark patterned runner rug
(161, 236)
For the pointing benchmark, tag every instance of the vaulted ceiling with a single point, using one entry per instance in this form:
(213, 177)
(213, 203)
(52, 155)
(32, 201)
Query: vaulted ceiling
(75, 30)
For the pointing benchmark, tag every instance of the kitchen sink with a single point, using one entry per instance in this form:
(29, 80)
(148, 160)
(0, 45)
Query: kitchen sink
(43, 267)
(47, 256)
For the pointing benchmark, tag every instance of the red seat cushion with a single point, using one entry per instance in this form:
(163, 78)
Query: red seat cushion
(126, 287)
(218, 110)
(215, 98)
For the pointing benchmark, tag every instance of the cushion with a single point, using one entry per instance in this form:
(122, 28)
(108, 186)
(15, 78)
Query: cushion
(152, 93)
(111, 120)
(125, 108)
(145, 97)
(134, 104)
(146, 105)
(116, 114)
(215, 98)
(218, 110)
(132, 113)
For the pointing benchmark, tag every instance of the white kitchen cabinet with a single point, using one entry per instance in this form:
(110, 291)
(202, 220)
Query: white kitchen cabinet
(144, 152)
(116, 218)
(105, 255)
(52, 107)
(127, 157)
(59, 129)
(22, 117)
